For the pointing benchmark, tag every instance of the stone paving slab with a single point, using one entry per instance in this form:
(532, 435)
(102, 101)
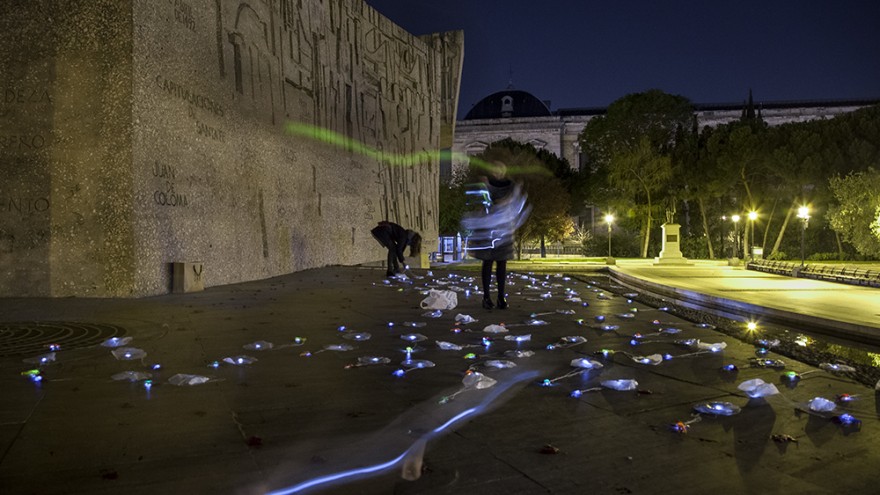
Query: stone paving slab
(288, 418)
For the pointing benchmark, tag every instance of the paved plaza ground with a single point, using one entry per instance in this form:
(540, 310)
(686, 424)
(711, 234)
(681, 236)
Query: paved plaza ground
(288, 419)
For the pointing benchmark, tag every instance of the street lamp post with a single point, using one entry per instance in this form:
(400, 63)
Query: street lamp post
(723, 231)
(804, 215)
(735, 219)
(752, 216)
(609, 219)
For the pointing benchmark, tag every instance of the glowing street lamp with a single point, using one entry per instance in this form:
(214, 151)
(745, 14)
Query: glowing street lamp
(803, 214)
(609, 219)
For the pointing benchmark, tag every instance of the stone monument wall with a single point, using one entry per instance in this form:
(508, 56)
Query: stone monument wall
(135, 134)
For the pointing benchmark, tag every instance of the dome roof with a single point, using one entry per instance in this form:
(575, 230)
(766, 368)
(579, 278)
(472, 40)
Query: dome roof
(508, 103)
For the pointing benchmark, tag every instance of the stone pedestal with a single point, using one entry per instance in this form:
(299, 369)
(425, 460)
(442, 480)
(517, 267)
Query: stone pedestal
(671, 252)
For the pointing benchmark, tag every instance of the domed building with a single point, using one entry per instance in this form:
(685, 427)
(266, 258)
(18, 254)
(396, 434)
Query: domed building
(523, 117)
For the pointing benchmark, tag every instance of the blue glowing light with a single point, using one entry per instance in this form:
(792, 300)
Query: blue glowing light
(546, 382)
(369, 469)
(390, 323)
(37, 378)
(148, 384)
(54, 347)
(576, 394)
(550, 347)
(398, 372)
(156, 366)
(729, 367)
(667, 357)
(633, 342)
(600, 318)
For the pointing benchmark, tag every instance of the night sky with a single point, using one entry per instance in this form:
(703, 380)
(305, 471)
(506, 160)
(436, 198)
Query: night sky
(586, 53)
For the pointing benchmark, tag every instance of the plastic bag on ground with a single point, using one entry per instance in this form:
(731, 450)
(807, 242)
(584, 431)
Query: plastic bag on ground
(448, 346)
(585, 363)
(621, 385)
(475, 379)
(132, 376)
(758, 388)
(712, 347)
(116, 341)
(820, 404)
(370, 360)
(518, 338)
(495, 329)
(440, 299)
(836, 368)
(260, 345)
(239, 360)
(464, 319)
(653, 359)
(182, 379)
(500, 363)
(128, 353)
(717, 408)
(41, 359)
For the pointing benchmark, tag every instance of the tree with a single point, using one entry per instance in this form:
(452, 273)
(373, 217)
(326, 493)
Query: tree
(631, 146)
(857, 216)
(452, 208)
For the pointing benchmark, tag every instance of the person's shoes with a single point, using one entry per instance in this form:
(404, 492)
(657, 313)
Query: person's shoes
(487, 303)
(502, 303)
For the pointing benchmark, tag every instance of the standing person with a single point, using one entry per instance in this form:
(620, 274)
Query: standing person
(395, 239)
(493, 232)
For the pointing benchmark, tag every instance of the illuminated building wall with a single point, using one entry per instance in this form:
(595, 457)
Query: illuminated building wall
(135, 134)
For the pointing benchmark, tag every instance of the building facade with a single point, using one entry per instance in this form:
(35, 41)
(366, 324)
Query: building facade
(256, 138)
(521, 116)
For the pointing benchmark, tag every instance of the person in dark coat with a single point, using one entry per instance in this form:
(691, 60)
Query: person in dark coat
(395, 239)
(493, 231)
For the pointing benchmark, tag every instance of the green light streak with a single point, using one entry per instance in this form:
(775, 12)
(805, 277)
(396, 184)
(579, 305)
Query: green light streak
(327, 136)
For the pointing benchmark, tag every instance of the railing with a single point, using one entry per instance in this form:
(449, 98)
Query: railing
(831, 273)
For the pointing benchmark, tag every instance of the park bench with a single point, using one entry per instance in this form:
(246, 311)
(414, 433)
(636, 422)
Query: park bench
(830, 273)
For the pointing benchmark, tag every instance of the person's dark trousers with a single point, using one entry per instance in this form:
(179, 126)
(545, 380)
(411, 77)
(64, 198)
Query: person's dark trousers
(501, 276)
(384, 237)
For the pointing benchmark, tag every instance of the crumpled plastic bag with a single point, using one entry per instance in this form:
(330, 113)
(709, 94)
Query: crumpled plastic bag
(758, 388)
(587, 364)
(621, 385)
(494, 329)
(499, 363)
(463, 319)
(116, 342)
(128, 353)
(477, 380)
(448, 346)
(440, 299)
(260, 345)
(47, 358)
(836, 368)
(653, 359)
(182, 379)
(711, 347)
(132, 376)
(820, 404)
(239, 360)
